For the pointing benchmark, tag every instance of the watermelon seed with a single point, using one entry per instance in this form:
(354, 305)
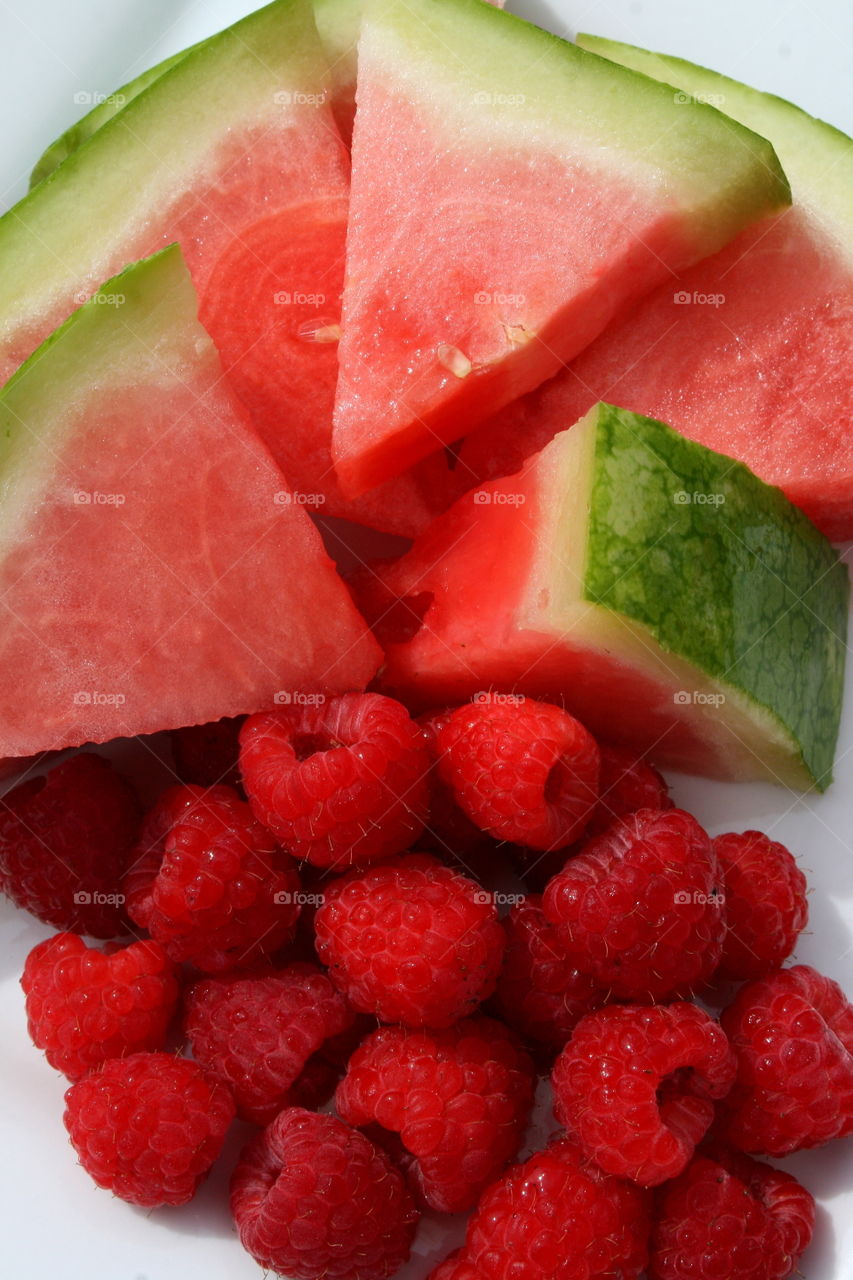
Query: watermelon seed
(319, 330)
(454, 360)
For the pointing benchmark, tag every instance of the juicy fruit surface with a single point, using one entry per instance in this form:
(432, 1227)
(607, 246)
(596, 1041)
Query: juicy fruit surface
(84, 1006)
(558, 603)
(729, 1215)
(148, 1127)
(639, 907)
(459, 1100)
(340, 782)
(312, 1197)
(209, 882)
(555, 1217)
(756, 336)
(64, 845)
(493, 316)
(411, 941)
(637, 1083)
(99, 427)
(766, 904)
(792, 1033)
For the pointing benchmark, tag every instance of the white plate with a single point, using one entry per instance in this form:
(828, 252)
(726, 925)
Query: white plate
(57, 1225)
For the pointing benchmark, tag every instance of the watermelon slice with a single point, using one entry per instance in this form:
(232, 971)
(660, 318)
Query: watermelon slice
(234, 153)
(511, 194)
(154, 571)
(674, 602)
(747, 352)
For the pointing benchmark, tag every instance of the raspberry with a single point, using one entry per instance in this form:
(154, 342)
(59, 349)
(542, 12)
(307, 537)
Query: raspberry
(209, 883)
(148, 1127)
(730, 1216)
(459, 1099)
(339, 782)
(256, 1035)
(540, 993)
(522, 770)
(555, 1217)
(313, 1198)
(448, 825)
(206, 755)
(411, 941)
(635, 1084)
(638, 908)
(627, 783)
(792, 1033)
(64, 842)
(84, 1006)
(766, 906)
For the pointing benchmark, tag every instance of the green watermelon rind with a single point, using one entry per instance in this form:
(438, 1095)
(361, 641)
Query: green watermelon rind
(817, 157)
(622, 120)
(765, 611)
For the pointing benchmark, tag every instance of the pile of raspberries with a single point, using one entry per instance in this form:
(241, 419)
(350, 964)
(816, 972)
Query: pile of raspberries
(306, 933)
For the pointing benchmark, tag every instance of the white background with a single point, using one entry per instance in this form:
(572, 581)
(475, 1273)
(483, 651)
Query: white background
(56, 1224)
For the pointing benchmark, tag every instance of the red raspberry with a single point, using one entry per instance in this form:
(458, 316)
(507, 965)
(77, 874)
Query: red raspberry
(411, 941)
(628, 783)
(555, 1217)
(448, 826)
(729, 1216)
(148, 1127)
(64, 843)
(341, 782)
(792, 1033)
(207, 755)
(458, 1098)
(522, 770)
(313, 1198)
(636, 1083)
(257, 1035)
(540, 993)
(209, 883)
(639, 908)
(766, 906)
(84, 1006)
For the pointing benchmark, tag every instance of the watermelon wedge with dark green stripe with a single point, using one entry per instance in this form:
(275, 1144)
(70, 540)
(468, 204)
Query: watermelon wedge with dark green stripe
(666, 596)
(748, 352)
(511, 195)
(154, 570)
(233, 152)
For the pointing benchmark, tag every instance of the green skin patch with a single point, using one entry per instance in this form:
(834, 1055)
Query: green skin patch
(736, 580)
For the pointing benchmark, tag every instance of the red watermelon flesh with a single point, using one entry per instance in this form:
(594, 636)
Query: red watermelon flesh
(493, 235)
(154, 571)
(748, 353)
(234, 153)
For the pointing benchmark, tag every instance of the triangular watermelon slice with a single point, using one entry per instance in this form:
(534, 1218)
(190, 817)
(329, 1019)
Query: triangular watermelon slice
(748, 352)
(154, 570)
(232, 151)
(511, 194)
